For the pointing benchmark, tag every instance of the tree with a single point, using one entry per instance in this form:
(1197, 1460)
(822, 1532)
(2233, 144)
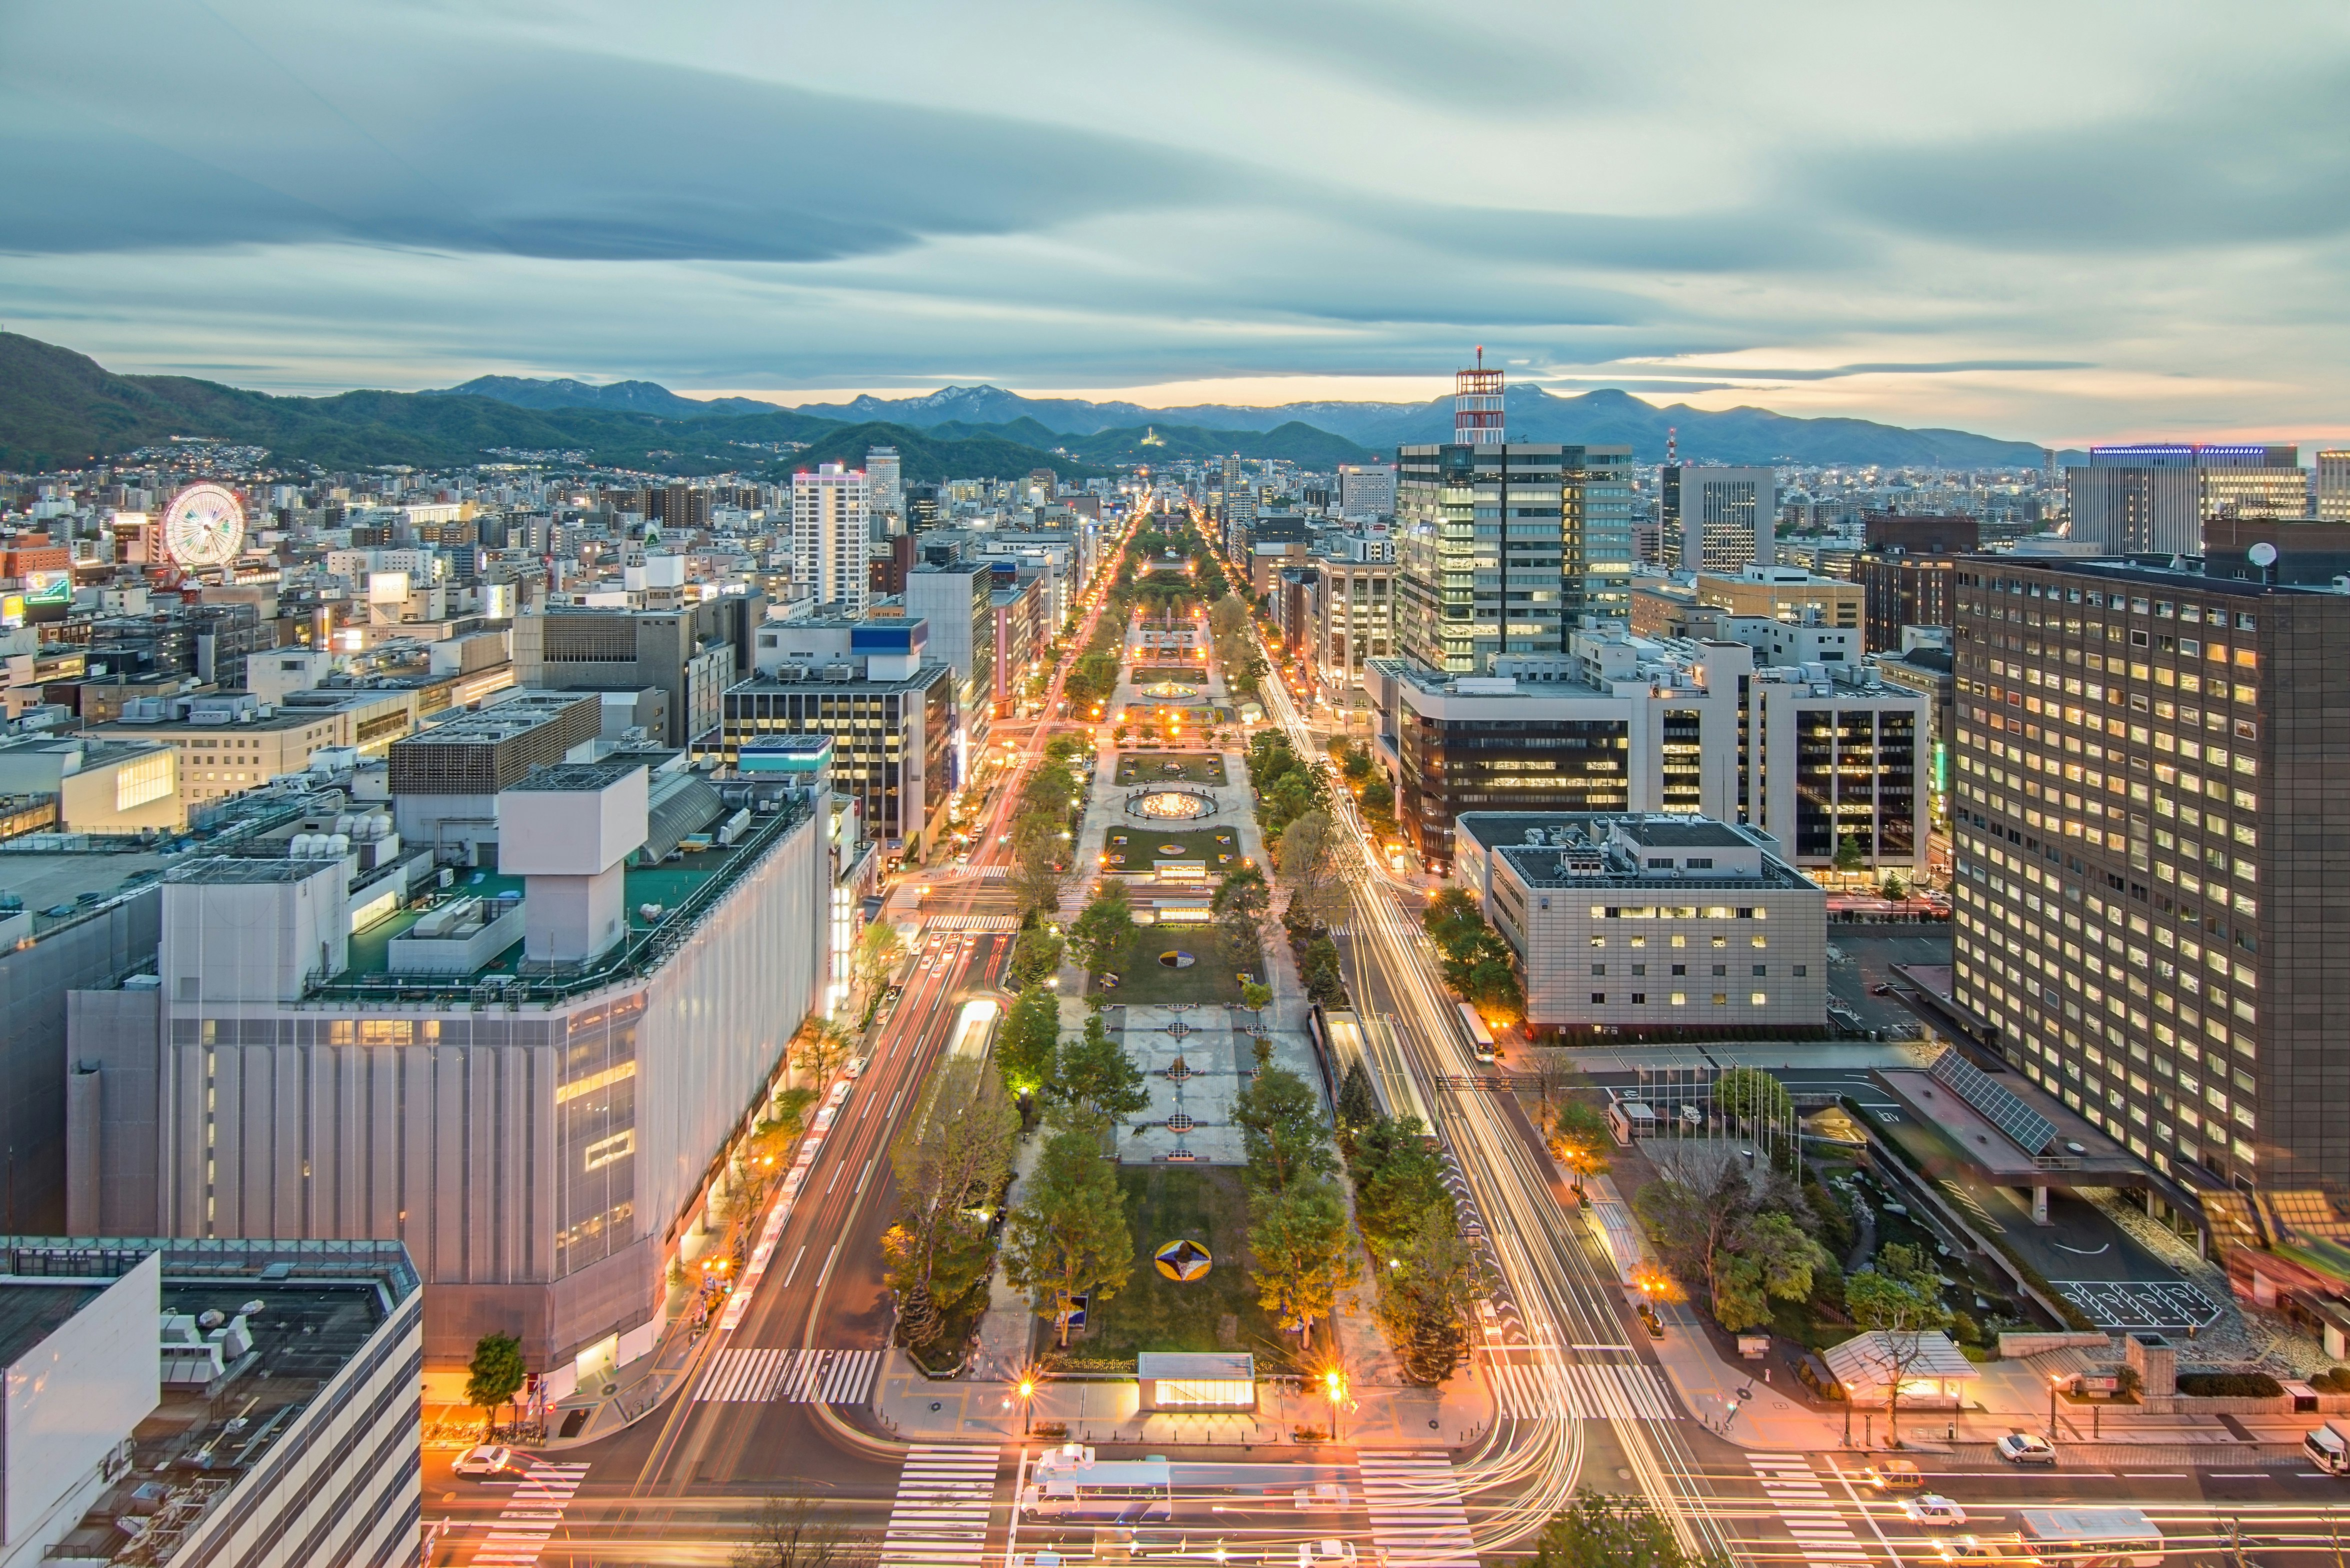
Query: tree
(1243, 903)
(1303, 1255)
(1326, 981)
(1598, 1531)
(821, 1048)
(1850, 858)
(1491, 984)
(1031, 1037)
(879, 950)
(1035, 957)
(792, 1532)
(1040, 856)
(1425, 1290)
(1094, 1073)
(1580, 1138)
(1398, 1176)
(1770, 1258)
(1254, 997)
(1103, 932)
(495, 1376)
(1898, 1295)
(1311, 861)
(1693, 1226)
(1281, 1128)
(1893, 889)
(1753, 1096)
(1358, 1103)
(952, 1157)
(1069, 1236)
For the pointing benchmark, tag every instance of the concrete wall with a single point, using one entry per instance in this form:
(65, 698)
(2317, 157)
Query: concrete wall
(70, 1400)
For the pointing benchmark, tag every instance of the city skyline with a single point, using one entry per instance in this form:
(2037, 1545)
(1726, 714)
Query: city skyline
(2073, 248)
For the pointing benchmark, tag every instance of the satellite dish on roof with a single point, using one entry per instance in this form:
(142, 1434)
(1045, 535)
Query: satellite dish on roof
(2262, 553)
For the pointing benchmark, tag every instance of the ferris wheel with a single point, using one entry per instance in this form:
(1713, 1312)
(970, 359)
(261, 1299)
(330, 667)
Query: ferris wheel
(204, 526)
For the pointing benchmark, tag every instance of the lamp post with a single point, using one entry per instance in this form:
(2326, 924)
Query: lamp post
(1027, 1402)
(2055, 1383)
(1333, 1384)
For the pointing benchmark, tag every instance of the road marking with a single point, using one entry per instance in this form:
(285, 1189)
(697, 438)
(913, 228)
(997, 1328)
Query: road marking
(835, 1177)
(539, 1499)
(795, 1265)
(939, 1516)
(792, 1377)
(828, 1259)
(1582, 1393)
(894, 1099)
(861, 1179)
(1796, 1493)
(1418, 1519)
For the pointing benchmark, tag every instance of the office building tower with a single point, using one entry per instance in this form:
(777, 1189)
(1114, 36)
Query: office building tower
(885, 488)
(1718, 519)
(2149, 914)
(1480, 568)
(690, 655)
(831, 536)
(2154, 499)
(2330, 487)
(1600, 516)
(1366, 490)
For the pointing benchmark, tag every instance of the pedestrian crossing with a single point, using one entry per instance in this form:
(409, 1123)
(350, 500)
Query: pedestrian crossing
(972, 923)
(1821, 1533)
(939, 1518)
(749, 1376)
(1584, 1391)
(978, 871)
(1418, 1519)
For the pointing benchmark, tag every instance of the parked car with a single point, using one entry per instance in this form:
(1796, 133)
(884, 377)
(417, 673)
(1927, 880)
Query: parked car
(1933, 1507)
(855, 1068)
(2026, 1448)
(488, 1459)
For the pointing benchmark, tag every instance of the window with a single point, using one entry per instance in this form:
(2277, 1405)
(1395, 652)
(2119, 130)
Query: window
(1721, 969)
(1599, 999)
(1802, 970)
(385, 1032)
(1599, 969)
(1760, 999)
(1639, 998)
(1639, 969)
(140, 783)
(1722, 999)
(1680, 999)
(1760, 970)
(1680, 969)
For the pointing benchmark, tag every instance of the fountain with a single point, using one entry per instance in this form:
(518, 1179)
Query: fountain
(1171, 805)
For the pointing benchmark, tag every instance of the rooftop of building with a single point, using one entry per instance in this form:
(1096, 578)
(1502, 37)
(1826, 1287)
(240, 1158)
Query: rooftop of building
(577, 778)
(308, 1310)
(29, 1313)
(2154, 572)
(1682, 833)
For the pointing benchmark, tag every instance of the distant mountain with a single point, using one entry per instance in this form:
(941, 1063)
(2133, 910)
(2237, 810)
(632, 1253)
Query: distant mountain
(620, 397)
(933, 456)
(61, 410)
(1732, 435)
(1299, 443)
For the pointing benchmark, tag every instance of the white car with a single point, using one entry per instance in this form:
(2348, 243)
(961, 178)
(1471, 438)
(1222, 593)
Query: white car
(2026, 1448)
(1933, 1507)
(485, 1460)
(854, 1067)
(1326, 1554)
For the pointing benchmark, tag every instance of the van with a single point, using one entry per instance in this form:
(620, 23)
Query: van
(2328, 1448)
(1894, 1475)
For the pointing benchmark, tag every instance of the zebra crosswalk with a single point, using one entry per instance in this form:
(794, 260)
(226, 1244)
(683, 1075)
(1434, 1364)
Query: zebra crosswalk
(743, 1377)
(1584, 1391)
(971, 923)
(939, 1518)
(978, 871)
(1418, 1519)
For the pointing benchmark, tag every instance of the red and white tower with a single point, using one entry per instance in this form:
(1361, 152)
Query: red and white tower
(1476, 405)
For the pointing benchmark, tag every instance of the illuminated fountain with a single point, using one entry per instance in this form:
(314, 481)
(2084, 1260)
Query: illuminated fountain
(1171, 805)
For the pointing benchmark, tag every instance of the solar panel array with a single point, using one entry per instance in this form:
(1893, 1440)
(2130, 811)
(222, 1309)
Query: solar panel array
(2031, 1131)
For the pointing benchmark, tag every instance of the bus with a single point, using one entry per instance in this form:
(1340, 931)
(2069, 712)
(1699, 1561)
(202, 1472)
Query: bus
(1481, 1038)
(1069, 1483)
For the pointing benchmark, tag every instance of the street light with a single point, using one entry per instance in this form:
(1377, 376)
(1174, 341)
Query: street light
(1333, 1385)
(2055, 1383)
(1027, 1402)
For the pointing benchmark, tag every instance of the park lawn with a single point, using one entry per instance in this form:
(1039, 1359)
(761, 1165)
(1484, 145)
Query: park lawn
(1211, 980)
(1136, 848)
(1189, 674)
(1203, 1203)
(1188, 767)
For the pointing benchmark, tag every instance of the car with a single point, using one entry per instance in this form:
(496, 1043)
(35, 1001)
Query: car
(1894, 1475)
(1882, 988)
(2026, 1448)
(1933, 1507)
(2008, 1552)
(854, 1067)
(487, 1460)
(1326, 1554)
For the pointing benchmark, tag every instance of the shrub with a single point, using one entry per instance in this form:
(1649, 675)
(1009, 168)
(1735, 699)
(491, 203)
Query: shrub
(2230, 1385)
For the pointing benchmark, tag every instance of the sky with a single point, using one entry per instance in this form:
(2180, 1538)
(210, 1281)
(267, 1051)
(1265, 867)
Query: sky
(2057, 222)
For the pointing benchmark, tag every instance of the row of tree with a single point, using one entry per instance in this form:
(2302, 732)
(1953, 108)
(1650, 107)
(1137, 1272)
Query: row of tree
(1474, 960)
(1426, 1275)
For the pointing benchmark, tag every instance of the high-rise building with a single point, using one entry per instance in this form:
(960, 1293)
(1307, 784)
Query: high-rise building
(1367, 489)
(885, 488)
(2330, 485)
(2154, 498)
(2148, 914)
(1599, 518)
(1718, 519)
(831, 537)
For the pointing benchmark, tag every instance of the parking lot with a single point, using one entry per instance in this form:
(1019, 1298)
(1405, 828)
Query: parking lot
(1861, 957)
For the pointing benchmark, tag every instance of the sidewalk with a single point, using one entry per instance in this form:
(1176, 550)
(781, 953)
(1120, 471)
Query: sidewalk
(1104, 1410)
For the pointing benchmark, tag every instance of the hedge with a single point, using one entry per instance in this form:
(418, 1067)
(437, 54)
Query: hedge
(2230, 1385)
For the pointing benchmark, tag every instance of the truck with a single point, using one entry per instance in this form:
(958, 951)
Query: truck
(2091, 1537)
(2328, 1448)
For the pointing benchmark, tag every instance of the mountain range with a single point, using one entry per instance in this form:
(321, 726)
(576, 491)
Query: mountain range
(1351, 432)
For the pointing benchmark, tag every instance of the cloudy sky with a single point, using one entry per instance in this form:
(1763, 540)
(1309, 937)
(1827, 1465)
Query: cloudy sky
(2048, 220)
